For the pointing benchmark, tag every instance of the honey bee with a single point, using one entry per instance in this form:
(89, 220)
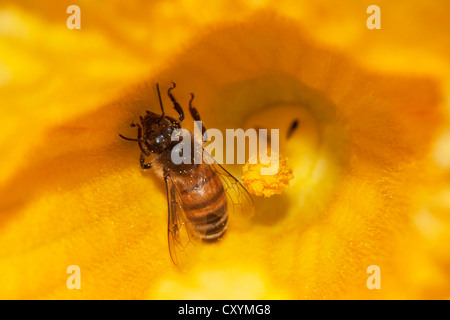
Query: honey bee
(199, 196)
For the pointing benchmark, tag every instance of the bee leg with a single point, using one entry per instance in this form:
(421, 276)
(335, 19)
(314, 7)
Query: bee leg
(196, 116)
(141, 144)
(143, 148)
(176, 105)
(142, 162)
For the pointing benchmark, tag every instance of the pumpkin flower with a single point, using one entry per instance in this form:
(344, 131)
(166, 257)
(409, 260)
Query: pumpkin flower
(363, 117)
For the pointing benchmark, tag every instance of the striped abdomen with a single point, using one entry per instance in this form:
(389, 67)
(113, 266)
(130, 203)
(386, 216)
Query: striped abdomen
(204, 201)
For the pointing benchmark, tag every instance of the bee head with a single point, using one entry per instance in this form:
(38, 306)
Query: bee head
(157, 131)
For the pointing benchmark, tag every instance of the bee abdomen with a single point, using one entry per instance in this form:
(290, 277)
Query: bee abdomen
(206, 207)
(212, 226)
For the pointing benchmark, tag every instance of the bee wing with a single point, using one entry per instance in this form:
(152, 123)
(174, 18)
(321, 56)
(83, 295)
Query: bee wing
(239, 199)
(180, 232)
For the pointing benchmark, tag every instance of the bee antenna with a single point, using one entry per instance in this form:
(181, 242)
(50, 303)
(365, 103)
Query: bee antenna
(131, 139)
(160, 100)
